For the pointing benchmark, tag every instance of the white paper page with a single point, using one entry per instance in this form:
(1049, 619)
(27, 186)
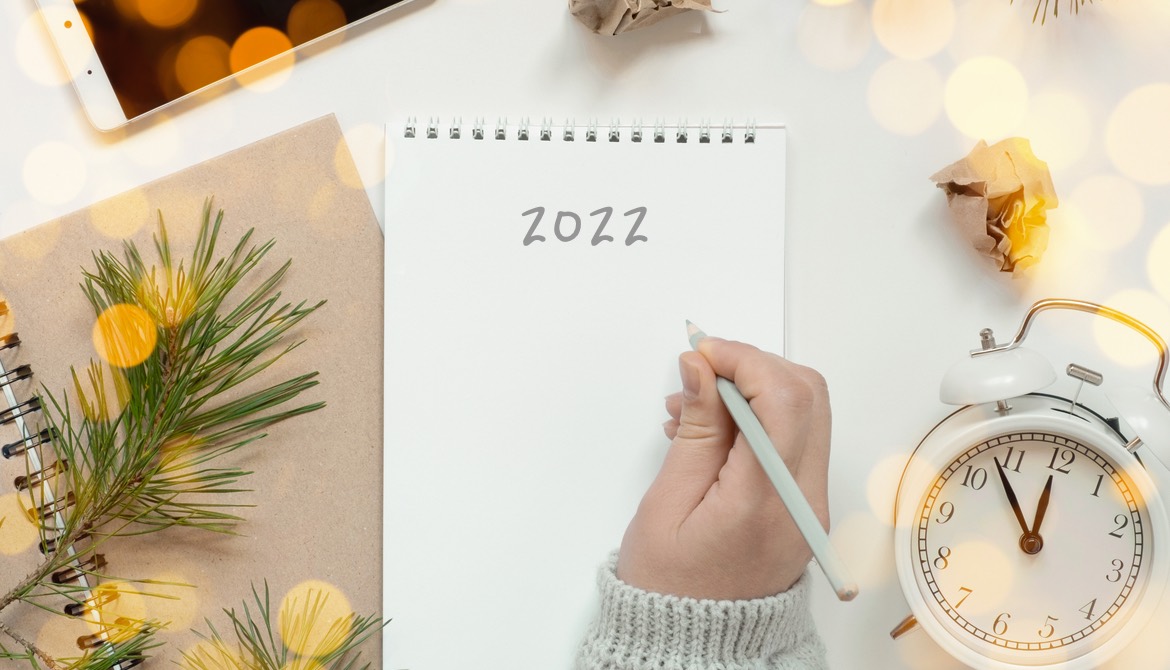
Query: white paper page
(525, 383)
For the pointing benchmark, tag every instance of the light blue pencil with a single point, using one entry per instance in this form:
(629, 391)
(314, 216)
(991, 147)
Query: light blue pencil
(806, 520)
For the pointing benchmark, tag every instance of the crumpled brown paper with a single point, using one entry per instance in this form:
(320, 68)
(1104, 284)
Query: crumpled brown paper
(999, 196)
(612, 17)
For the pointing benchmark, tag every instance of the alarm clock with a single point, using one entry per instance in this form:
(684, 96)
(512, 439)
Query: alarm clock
(1027, 530)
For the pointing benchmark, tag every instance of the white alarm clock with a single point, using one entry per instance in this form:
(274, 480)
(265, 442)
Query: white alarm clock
(1028, 533)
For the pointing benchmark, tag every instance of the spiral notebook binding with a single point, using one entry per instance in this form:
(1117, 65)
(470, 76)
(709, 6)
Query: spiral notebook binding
(681, 132)
(49, 506)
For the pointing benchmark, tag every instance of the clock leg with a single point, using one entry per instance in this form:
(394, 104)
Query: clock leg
(905, 626)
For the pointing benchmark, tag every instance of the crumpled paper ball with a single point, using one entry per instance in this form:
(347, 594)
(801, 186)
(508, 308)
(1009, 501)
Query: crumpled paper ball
(999, 196)
(612, 17)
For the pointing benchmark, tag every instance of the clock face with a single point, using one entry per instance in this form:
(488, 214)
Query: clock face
(1032, 546)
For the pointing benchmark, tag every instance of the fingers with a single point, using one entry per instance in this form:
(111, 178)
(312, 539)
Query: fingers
(674, 409)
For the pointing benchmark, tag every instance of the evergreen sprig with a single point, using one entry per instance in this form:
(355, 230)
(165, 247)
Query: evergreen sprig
(140, 445)
(1043, 5)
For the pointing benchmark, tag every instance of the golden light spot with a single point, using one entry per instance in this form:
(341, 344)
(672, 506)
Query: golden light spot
(59, 635)
(881, 486)
(834, 37)
(365, 143)
(866, 546)
(988, 29)
(17, 532)
(8, 317)
(302, 664)
(157, 142)
(1059, 127)
(256, 46)
(173, 603)
(166, 13)
(1074, 264)
(54, 172)
(1158, 264)
(201, 61)
(913, 29)
(25, 214)
(1124, 345)
(119, 609)
(314, 618)
(1136, 136)
(1112, 207)
(979, 557)
(905, 97)
(310, 19)
(35, 53)
(124, 335)
(121, 217)
(986, 97)
(208, 654)
(127, 8)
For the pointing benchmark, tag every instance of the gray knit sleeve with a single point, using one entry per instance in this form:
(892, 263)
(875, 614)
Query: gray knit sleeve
(640, 630)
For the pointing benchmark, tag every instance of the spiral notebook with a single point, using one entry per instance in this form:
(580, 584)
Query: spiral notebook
(538, 279)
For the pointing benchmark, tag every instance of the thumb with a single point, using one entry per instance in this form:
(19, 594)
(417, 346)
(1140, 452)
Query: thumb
(705, 434)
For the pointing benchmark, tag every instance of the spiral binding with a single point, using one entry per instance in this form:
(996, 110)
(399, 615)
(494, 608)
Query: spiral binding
(659, 132)
(38, 485)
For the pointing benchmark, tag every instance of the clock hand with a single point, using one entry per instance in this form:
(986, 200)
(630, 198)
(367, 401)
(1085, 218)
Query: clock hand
(1042, 507)
(1011, 496)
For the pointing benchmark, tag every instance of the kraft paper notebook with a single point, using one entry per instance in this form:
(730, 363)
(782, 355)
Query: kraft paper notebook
(538, 279)
(312, 512)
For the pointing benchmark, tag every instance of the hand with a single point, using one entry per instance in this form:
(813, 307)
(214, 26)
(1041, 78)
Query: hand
(711, 525)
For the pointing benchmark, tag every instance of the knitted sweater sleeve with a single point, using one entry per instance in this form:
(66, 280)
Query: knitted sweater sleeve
(640, 630)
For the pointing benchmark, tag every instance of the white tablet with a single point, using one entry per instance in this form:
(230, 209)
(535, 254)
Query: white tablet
(128, 58)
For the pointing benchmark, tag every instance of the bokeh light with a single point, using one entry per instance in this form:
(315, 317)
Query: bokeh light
(1059, 127)
(866, 546)
(172, 602)
(1158, 263)
(1112, 207)
(201, 61)
(988, 29)
(166, 13)
(54, 172)
(114, 600)
(121, 217)
(124, 335)
(834, 37)
(913, 29)
(986, 98)
(34, 50)
(17, 532)
(905, 97)
(157, 141)
(256, 46)
(1073, 263)
(1136, 136)
(59, 635)
(1124, 345)
(988, 559)
(317, 637)
(881, 487)
(310, 19)
(8, 317)
(366, 144)
(24, 214)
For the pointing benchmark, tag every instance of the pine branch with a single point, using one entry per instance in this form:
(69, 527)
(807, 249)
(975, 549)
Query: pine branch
(143, 430)
(1043, 5)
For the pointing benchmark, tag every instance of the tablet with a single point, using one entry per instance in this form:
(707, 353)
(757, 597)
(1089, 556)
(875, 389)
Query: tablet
(128, 58)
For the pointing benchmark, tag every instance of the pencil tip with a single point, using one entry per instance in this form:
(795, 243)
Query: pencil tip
(692, 328)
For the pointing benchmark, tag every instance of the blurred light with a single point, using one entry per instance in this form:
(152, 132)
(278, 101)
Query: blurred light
(1124, 345)
(366, 143)
(881, 487)
(118, 600)
(7, 319)
(984, 558)
(35, 53)
(201, 61)
(122, 216)
(986, 98)
(834, 37)
(256, 46)
(127, 8)
(905, 97)
(1158, 265)
(58, 635)
(988, 29)
(1059, 127)
(1136, 136)
(156, 143)
(172, 602)
(166, 13)
(54, 172)
(124, 335)
(866, 546)
(913, 29)
(310, 19)
(1073, 263)
(209, 654)
(1112, 207)
(17, 532)
(313, 637)
(24, 214)
(832, 3)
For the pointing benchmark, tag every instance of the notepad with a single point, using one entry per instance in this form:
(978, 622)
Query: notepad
(538, 279)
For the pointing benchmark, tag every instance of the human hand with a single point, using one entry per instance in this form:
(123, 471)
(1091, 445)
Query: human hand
(711, 525)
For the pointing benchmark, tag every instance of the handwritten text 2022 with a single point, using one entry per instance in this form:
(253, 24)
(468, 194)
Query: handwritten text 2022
(567, 226)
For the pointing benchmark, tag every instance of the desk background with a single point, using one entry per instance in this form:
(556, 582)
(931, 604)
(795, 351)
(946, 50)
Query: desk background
(883, 295)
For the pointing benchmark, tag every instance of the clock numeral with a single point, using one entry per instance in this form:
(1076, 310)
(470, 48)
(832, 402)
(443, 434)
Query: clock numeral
(946, 510)
(941, 561)
(1007, 462)
(1123, 520)
(1115, 575)
(1000, 625)
(974, 478)
(1097, 488)
(1067, 457)
(1087, 610)
(1048, 629)
(966, 592)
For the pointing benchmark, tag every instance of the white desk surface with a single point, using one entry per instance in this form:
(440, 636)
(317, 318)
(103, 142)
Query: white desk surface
(883, 295)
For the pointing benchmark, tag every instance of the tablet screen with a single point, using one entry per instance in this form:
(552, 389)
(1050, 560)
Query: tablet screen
(155, 51)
